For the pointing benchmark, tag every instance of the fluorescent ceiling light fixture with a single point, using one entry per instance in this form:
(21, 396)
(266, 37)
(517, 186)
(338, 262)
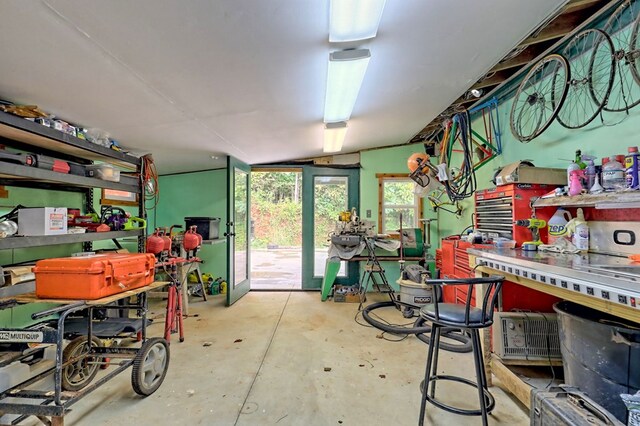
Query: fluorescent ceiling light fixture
(345, 75)
(352, 20)
(334, 134)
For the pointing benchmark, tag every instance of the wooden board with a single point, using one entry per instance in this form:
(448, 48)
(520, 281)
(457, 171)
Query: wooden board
(511, 382)
(530, 362)
(32, 298)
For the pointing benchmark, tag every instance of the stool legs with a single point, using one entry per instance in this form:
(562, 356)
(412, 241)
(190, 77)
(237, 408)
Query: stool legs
(431, 377)
(427, 375)
(480, 374)
(435, 342)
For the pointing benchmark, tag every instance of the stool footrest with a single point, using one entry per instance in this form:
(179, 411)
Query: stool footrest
(490, 401)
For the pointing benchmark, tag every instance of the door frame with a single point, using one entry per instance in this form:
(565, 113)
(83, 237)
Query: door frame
(236, 291)
(309, 173)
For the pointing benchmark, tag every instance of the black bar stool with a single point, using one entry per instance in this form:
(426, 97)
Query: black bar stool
(470, 319)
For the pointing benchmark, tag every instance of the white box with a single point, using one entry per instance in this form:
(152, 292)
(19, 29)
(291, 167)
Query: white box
(42, 221)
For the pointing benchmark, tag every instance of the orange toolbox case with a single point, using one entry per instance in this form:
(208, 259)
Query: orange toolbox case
(93, 277)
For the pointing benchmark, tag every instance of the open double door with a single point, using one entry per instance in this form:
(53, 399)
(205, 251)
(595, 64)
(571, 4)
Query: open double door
(317, 182)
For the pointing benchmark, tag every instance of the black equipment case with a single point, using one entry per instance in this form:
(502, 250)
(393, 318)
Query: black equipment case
(567, 405)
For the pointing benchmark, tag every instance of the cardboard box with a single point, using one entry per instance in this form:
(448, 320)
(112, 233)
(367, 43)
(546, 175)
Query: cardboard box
(346, 294)
(520, 172)
(42, 221)
(17, 274)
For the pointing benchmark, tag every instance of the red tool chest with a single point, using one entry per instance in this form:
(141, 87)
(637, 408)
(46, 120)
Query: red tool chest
(455, 264)
(498, 208)
(93, 277)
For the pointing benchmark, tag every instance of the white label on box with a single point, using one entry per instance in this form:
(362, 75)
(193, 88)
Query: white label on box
(57, 221)
(21, 336)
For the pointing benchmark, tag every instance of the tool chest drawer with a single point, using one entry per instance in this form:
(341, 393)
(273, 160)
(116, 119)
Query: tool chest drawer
(93, 277)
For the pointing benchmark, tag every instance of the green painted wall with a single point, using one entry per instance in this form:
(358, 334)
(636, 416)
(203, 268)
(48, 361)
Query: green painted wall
(388, 160)
(551, 149)
(195, 194)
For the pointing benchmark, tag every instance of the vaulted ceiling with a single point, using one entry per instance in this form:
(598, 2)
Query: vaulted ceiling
(194, 78)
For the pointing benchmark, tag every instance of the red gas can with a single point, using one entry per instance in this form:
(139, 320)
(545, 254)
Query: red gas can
(93, 277)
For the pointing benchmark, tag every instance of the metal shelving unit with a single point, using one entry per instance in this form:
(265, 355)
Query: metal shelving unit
(27, 132)
(16, 132)
(52, 240)
(18, 175)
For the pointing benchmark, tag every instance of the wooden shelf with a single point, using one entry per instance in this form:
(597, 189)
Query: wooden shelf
(591, 200)
(28, 132)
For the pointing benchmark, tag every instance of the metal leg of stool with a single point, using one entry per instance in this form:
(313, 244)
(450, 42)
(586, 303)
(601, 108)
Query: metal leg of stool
(477, 358)
(436, 344)
(427, 375)
(482, 370)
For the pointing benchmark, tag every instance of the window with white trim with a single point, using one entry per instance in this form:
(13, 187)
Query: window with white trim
(396, 199)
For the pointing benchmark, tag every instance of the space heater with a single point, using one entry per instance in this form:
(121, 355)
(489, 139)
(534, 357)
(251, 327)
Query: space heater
(526, 336)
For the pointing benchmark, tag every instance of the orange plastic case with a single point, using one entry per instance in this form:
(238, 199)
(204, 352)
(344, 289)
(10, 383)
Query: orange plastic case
(92, 277)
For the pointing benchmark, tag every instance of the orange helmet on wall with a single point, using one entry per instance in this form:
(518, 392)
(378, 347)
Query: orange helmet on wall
(415, 160)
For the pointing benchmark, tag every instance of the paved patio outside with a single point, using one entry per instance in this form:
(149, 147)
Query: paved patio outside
(281, 268)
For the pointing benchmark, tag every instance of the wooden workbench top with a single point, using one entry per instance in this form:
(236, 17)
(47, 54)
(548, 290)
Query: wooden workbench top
(32, 298)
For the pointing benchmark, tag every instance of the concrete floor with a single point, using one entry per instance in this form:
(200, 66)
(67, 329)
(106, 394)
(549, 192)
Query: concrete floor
(277, 373)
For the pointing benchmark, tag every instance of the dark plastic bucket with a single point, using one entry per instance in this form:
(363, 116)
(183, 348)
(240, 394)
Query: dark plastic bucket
(600, 354)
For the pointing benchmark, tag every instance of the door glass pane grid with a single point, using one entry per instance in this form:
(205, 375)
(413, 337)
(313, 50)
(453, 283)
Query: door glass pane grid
(330, 197)
(240, 220)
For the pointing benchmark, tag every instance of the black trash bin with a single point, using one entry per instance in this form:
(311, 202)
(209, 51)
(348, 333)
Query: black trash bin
(600, 354)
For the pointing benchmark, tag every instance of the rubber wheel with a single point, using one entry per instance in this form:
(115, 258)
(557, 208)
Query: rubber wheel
(150, 366)
(79, 374)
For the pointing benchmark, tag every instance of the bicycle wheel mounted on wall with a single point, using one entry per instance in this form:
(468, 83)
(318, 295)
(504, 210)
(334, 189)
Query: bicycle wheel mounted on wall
(539, 97)
(591, 58)
(622, 27)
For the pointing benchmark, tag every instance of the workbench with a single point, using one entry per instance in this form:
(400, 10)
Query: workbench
(51, 406)
(608, 284)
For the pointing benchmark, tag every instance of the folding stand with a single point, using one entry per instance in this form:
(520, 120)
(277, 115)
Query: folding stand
(371, 269)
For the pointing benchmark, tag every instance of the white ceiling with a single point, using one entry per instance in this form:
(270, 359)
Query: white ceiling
(188, 79)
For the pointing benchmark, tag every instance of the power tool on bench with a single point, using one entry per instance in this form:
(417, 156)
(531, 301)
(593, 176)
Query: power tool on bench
(534, 225)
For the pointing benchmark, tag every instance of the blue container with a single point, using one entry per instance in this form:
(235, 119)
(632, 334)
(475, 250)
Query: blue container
(631, 167)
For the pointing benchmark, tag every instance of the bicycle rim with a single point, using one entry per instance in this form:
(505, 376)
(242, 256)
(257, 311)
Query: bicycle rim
(539, 97)
(635, 50)
(625, 92)
(590, 56)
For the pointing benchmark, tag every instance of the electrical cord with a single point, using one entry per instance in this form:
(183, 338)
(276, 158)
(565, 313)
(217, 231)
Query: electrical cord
(527, 341)
(149, 180)
(465, 184)
(419, 328)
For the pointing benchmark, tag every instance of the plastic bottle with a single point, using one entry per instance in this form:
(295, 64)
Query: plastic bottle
(631, 167)
(573, 166)
(591, 173)
(558, 225)
(575, 182)
(579, 161)
(613, 175)
(580, 230)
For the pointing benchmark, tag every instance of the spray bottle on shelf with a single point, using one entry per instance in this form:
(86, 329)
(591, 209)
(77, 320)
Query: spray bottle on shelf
(572, 167)
(631, 167)
(580, 160)
(578, 228)
(575, 182)
(591, 174)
